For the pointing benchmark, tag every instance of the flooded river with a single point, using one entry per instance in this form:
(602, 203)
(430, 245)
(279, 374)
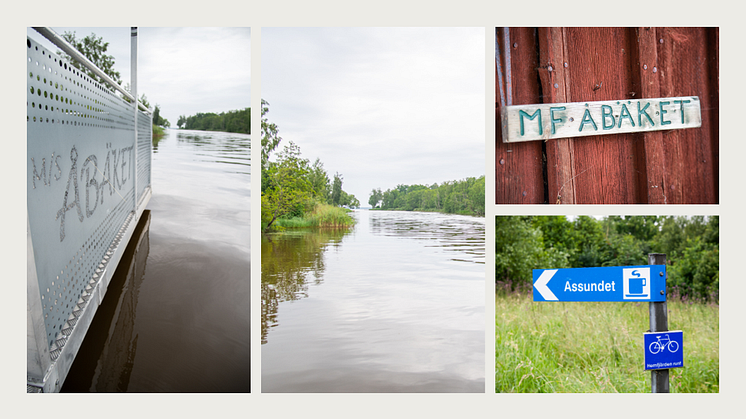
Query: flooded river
(394, 305)
(178, 319)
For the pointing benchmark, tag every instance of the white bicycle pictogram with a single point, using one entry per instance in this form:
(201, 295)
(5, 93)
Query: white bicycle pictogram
(661, 344)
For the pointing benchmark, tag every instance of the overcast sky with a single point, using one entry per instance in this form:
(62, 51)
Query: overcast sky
(381, 106)
(183, 70)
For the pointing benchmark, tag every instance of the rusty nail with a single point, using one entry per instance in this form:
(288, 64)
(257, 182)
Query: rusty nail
(645, 66)
(565, 65)
(502, 161)
(655, 69)
(550, 68)
(515, 45)
(556, 85)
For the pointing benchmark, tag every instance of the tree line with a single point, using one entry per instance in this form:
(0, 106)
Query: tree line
(454, 197)
(691, 245)
(291, 185)
(238, 121)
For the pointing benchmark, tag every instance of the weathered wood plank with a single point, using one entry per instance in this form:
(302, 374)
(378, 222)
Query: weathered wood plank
(555, 84)
(580, 119)
(585, 65)
(687, 58)
(654, 165)
(518, 167)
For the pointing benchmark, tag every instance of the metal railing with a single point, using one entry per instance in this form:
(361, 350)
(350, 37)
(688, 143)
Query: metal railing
(88, 181)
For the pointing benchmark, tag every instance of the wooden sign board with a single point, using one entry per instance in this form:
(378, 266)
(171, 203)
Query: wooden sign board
(564, 120)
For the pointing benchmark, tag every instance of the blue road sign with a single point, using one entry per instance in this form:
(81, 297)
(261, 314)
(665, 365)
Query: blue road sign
(664, 350)
(613, 283)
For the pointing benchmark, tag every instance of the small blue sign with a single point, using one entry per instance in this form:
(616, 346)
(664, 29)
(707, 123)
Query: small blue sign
(612, 283)
(664, 350)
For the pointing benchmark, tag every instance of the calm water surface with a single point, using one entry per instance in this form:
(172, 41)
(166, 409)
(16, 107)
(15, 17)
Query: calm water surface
(394, 305)
(178, 321)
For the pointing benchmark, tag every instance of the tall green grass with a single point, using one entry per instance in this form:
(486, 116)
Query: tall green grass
(323, 215)
(596, 347)
(158, 131)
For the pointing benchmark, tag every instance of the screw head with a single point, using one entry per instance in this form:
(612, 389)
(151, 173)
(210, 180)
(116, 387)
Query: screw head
(661, 292)
(645, 66)
(660, 273)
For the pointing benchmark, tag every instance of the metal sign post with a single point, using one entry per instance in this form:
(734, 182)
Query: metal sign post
(658, 323)
(621, 283)
(133, 82)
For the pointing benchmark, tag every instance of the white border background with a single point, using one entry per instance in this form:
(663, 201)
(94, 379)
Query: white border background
(488, 14)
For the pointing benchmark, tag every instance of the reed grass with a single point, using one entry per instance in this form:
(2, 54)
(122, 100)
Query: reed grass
(158, 131)
(596, 347)
(323, 215)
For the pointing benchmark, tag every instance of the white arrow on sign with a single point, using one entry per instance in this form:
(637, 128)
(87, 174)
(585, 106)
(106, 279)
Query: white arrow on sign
(541, 285)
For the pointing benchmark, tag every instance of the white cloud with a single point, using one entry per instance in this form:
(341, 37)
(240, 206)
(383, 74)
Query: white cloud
(382, 106)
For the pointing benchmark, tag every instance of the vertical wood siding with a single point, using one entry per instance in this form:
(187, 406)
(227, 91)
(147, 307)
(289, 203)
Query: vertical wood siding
(551, 65)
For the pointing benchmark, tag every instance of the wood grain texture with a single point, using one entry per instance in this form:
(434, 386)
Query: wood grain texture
(687, 60)
(567, 65)
(559, 153)
(519, 175)
(654, 164)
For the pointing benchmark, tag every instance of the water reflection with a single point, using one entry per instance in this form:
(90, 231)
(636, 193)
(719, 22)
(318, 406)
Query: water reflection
(290, 262)
(107, 355)
(182, 323)
(395, 305)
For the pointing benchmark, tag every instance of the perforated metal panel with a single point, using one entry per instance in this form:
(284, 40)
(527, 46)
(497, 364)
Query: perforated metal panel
(144, 151)
(81, 172)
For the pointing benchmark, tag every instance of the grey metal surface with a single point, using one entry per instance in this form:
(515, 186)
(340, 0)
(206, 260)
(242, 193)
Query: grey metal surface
(60, 42)
(81, 170)
(659, 379)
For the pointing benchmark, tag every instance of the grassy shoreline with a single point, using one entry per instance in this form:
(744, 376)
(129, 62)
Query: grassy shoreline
(322, 216)
(596, 347)
(158, 131)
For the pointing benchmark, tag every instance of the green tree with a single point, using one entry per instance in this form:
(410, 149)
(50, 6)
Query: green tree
(288, 189)
(375, 197)
(519, 249)
(157, 116)
(590, 248)
(320, 182)
(143, 100)
(94, 48)
(181, 121)
(337, 190)
(270, 135)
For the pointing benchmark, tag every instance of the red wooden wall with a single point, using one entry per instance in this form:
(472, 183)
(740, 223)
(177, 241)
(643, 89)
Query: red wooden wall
(550, 65)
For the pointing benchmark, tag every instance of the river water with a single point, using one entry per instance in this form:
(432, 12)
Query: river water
(395, 304)
(178, 321)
